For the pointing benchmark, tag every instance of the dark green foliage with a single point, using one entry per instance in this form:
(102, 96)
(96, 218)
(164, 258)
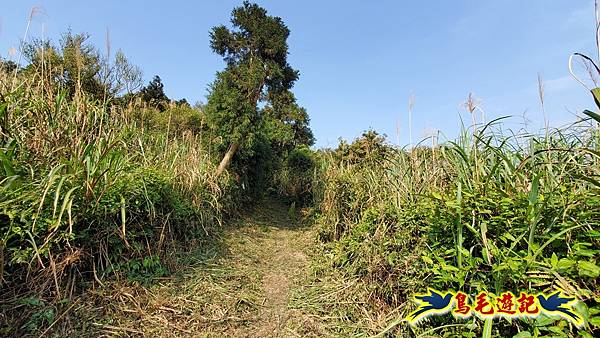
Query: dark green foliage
(286, 123)
(370, 147)
(7, 66)
(154, 94)
(183, 103)
(300, 160)
(257, 72)
(255, 165)
(295, 178)
(231, 116)
(260, 38)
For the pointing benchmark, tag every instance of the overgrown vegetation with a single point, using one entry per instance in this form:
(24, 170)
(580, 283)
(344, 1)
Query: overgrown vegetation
(101, 177)
(257, 72)
(92, 189)
(106, 181)
(494, 210)
(488, 212)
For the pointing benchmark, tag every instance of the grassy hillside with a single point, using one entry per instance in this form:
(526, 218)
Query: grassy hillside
(492, 211)
(90, 189)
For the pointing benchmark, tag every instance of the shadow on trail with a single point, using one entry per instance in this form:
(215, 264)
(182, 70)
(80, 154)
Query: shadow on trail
(273, 213)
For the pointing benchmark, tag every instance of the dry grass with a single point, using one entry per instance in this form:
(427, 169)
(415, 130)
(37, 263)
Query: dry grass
(238, 286)
(334, 303)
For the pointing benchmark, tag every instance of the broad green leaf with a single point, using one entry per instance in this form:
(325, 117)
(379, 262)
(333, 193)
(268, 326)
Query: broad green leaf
(565, 263)
(588, 269)
(593, 115)
(582, 309)
(427, 260)
(544, 320)
(534, 193)
(557, 330)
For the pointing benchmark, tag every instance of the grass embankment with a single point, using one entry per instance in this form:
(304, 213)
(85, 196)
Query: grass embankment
(91, 190)
(493, 211)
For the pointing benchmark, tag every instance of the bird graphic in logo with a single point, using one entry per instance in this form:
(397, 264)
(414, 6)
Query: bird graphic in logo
(554, 304)
(433, 303)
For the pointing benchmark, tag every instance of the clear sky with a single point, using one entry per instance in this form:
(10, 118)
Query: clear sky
(359, 60)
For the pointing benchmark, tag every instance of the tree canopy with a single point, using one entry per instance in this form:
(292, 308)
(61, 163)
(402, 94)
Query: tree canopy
(257, 74)
(78, 67)
(154, 93)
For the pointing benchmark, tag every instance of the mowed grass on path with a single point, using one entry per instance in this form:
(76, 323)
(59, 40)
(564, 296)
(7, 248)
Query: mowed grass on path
(240, 287)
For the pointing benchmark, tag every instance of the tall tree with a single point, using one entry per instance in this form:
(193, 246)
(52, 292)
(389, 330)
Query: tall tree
(255, 51)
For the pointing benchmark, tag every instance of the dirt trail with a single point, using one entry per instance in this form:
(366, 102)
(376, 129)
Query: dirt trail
(241, 288)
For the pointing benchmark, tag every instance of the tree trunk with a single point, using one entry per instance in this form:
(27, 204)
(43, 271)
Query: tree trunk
(227, 158)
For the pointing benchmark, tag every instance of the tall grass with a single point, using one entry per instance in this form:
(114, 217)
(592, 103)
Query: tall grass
(493, 210)
(90, 189)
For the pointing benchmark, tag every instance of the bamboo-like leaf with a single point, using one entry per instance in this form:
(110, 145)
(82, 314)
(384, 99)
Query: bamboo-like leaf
(553, 238)
(123, 219)
(487, 328)
(67, 202)
(593, 115)
(57, 195)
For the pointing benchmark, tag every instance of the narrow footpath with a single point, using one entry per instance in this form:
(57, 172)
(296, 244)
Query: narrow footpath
(240, 288)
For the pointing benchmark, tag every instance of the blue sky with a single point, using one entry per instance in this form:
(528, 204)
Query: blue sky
(359, 61)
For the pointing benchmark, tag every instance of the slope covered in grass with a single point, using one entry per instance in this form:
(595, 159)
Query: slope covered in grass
(492, 211)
